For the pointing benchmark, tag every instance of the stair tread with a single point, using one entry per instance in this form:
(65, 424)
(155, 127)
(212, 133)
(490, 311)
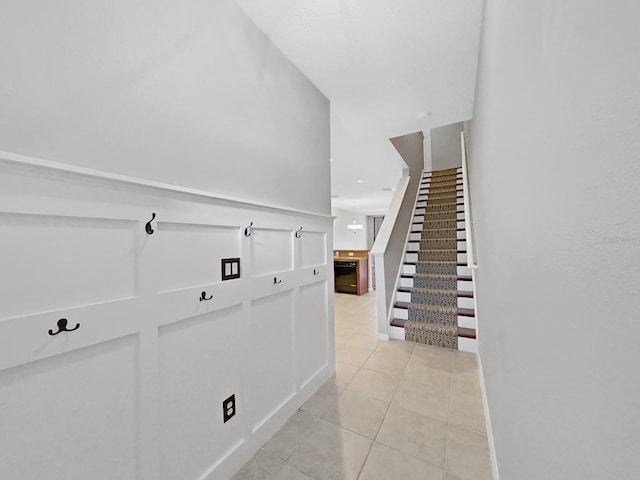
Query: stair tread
(426, 189)
(465, 278)
(424, 206)
(418, 251)
(461, 293)
(462, 331)
(420, 231)
(463, 312)
(460, 264)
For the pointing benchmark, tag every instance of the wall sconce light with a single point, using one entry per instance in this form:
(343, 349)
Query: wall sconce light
(355, 226)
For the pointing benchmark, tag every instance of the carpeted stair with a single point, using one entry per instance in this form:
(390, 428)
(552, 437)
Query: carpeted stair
(433, 312)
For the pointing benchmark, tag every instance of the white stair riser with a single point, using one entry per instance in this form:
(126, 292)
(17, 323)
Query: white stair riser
(463, 285)
(403, 314)
(424, 198)
(420, 218)
(421, 210)
(467, 322)
(415, 244)
(430, 179)
(468, 344)
(463, 302)
(413, 257)
(416, 237)
(411, 269)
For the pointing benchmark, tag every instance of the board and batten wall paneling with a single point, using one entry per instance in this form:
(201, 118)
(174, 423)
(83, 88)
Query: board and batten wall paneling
(189, 93)
(158, 341)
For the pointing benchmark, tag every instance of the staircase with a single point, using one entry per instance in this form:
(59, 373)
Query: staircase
(435, 297)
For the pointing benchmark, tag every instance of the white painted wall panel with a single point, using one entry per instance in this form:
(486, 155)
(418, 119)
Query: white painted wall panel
(312, 332)
(312, 249)
(200, 365)
(73, 416)
(271, 251)
(270, 380)
(191, 253)
(94, 261)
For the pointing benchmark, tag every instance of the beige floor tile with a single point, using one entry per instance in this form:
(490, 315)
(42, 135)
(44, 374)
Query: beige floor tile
(423, 399)
(330, 452)
(414, 434)
(288, 437)
(395, 345)
(467, 382)
(419, 372)
(467, 411)
(344, 330)
(434, 357)
(326, 396)
(391, 362)
(384, 463)
(467, 455)
(465, 362)
(357, 412)
(352, 355)
(374, 384)
(290, 473)
(263, 466)
(344, 374)
(363, 341)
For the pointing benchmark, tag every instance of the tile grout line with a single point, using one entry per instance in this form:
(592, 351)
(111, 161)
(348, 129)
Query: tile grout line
(395, 391)
(446, 437)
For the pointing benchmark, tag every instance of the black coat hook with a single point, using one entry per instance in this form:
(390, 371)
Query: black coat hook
(62, 327)
(298, 232)
(203, 296)
(316, 272)
(275, 280)
(147, 227)
(247, 231)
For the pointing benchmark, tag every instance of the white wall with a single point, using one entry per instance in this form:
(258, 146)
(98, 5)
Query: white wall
(427, 151)
(345, 239)
(188, 93)
(445, 146)
(554, 179)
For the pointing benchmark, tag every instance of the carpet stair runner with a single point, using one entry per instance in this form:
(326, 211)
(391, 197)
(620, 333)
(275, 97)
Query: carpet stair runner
(433, 308)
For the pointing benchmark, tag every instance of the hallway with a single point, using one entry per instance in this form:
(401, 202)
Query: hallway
(394, 410)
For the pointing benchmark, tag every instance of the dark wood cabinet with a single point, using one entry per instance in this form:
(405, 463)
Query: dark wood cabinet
(351, 275)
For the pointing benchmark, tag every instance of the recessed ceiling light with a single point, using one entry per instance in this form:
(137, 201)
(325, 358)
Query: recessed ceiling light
(361, 180)
(423, 115)
(387, 189)
(331, 159)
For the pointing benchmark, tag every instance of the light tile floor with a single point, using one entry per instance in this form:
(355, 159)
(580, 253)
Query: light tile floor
(393, 410)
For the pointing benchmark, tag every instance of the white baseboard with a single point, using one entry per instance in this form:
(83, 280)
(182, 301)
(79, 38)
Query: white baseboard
(487, 417)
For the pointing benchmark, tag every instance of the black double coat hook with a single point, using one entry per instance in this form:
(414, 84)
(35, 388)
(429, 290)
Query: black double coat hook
(203, 296)
(62, 327)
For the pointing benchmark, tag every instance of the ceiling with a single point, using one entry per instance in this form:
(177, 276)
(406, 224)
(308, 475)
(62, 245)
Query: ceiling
(388, 67)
